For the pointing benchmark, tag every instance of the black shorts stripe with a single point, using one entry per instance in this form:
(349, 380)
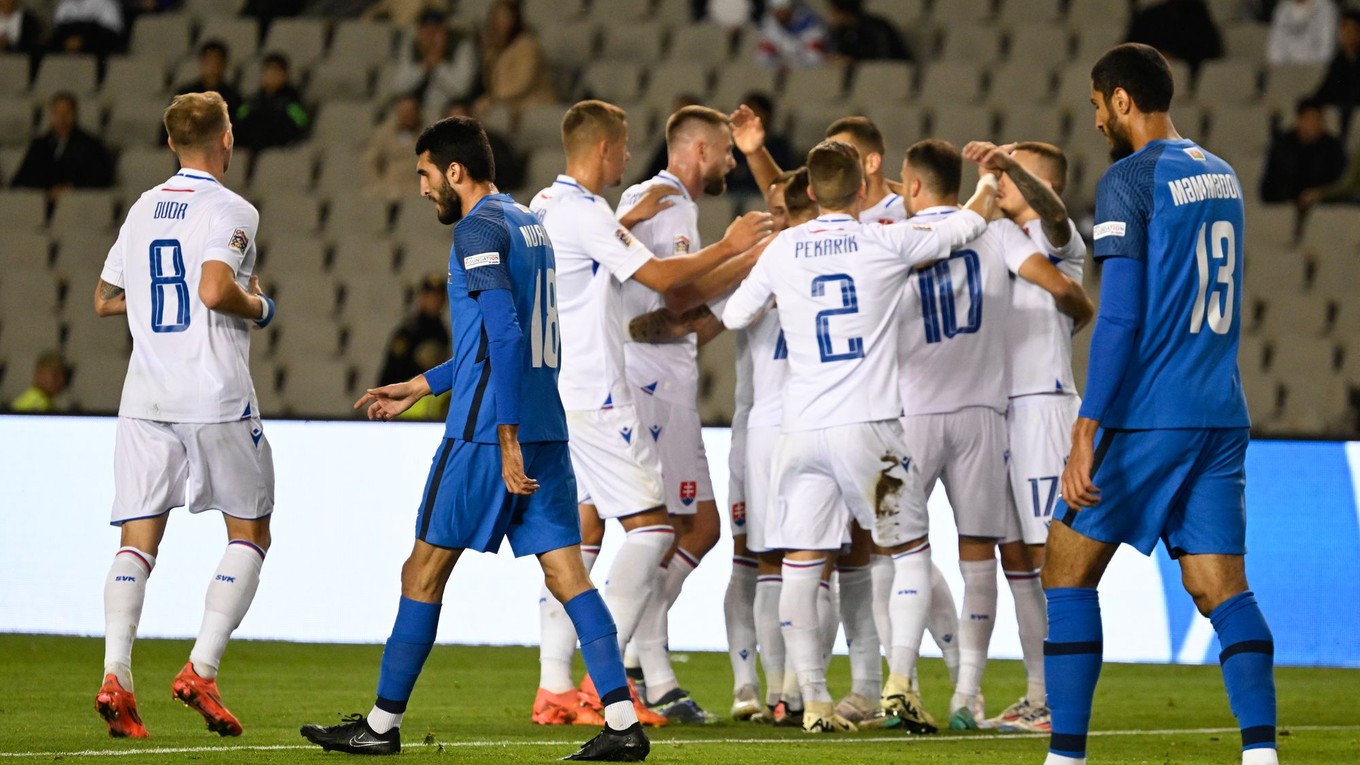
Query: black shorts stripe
(1247, 646)
(470, 429)
(1073, 649)
(1067, 742)
(427, 507)
(1070, 516)
(1257, 735)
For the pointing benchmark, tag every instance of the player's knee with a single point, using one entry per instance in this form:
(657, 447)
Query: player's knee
(421, 581)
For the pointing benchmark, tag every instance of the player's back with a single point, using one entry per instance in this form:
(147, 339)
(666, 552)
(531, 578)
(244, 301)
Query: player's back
(838, 284)
(1178, 209)
(189, 363)
(497, 223)
(953, 341)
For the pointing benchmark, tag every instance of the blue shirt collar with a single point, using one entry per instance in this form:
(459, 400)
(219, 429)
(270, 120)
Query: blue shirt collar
(187, 174)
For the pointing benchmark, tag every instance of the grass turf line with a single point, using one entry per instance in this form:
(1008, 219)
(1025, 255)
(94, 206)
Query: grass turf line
(476, 699)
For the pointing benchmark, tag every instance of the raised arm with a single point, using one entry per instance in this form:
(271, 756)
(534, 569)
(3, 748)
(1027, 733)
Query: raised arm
(719, 281)
(749, 136)
(1037, 193)
(665, 274)
(665, 326)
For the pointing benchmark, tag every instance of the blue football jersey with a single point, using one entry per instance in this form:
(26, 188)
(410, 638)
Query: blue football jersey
(501, 245)
(1177, 209)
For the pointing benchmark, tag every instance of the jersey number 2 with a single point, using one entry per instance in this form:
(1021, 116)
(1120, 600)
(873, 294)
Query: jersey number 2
(849, 304)
(543, 335)
(1219, 245)
(165, 282)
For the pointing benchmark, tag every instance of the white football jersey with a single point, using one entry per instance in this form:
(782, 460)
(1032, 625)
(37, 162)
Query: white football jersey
(889, 209)
(953, 339)
(769, 369)
(189, 364)
(1039, 336)
(595, 256)
(669, 371)
(838, 284)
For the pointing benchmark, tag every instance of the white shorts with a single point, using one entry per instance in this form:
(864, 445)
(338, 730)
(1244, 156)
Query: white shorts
(157, 466)
(967, 451)
(678, 437)
(760, 497)
(736, 481)
(1040, 429)
(865, 465)
(616, 467)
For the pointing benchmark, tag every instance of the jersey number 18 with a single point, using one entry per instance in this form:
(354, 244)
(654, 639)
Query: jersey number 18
(543, 342)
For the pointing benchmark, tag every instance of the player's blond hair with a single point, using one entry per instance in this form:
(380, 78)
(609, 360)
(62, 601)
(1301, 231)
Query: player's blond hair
(1055, 161)
(835, 174)
(196, 120)
(588, 122)
(689, 116)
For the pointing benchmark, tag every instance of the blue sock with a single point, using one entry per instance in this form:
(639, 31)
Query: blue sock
(1248, 659)
(599, 645)
(1072, 665)
(410, 643)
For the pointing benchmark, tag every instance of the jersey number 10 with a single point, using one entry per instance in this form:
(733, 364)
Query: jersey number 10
(543, 341)
(1219, 245)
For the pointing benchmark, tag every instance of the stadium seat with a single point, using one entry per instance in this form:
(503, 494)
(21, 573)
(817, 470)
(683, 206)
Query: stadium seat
(165, 37)
(90, 209)
(286, 250)
(16, 121)
(715, 215)
(76, 73)
(141, 167)
(614, 81)
(304, 338)
(473, 12)
(1016, 85)
(25, 247)
(570, 43)
(340, 78)
(814, 85)
(1228, 81)
(640, 42)
(343, 124)
(134, 122)
(1247, 41)
(360, 42)
(1033, 122)
(1251, 354)
(32, 286)
(1263, 395)
(357, 215)
(706, 43)
(303, 295)
(809, 120)
(134, 78)
(900, 12)
(97, 383)
(367, 299)
(1018, 12)
(975, 44)
(1316, 403)
(79, 257)
(360, 257)
(1038, 42)
(1241, 129)
(240, 35)
(674, 13)
(674, 76)
(1287, 84)
(365, 343)
(1335, 275)
(739, 78)
(901, 127)
(1294, 317)
(88, 335)
(874, 82)
(1332, 230)
(300, 211)
(540, 127)
(961, 124)
(1085, 13)
(961, 13)
(291, 169)
(14, 70)
(207, 9)
(950, 83)
(424, 251)
(1094, 36)
(265, 376)
(618, 13)
(319, 388)
(22, 209)
(302, 40)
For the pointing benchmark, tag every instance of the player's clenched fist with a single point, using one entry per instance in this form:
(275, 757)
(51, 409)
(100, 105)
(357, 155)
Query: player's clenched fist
(747, 230)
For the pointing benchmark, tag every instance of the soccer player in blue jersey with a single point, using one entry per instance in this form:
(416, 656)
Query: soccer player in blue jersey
(1159, 448)
(503, 469)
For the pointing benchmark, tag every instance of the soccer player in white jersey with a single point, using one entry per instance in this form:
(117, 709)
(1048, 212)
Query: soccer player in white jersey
(1043, 396)
(189, 430)
(665, 379)
(617, 471)
(953, 350)
(838, 285)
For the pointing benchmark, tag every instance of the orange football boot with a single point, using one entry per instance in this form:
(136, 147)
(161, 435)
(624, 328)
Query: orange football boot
(200, 694)
(566, 708)
(591, 698)
(119, 710)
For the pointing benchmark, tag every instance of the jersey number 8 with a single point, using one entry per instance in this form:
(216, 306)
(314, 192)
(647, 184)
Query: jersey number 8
(163, 284)
(543, 339)
(1220, 245)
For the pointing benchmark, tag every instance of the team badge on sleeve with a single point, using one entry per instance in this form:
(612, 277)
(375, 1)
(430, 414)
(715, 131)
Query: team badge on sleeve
(624, 236)
(240, 241)
(481, 259)
(688, 491)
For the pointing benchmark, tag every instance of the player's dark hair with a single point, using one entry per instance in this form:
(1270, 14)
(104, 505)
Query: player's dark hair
(212, 46)
(1141, 71)
(759, 101)
(275, 59)
(835, 174)
(1307, 105)
(851, 7)
(690, 115)
(1053, 157)
(865, 133)
(939, 165)
(796, 199)
(461, 140)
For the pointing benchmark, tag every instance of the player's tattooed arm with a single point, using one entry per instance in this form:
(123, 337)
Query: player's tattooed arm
(708, 327)
(109, 300)
(1039, 195)
(663, 326)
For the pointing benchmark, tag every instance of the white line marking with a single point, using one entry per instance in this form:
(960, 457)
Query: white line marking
(907, 738)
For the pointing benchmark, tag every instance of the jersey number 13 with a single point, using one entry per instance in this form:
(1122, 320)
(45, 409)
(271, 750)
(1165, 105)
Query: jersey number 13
(1220, 246)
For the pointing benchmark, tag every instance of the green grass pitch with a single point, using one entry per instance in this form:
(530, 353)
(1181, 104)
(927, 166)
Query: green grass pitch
(472, 705)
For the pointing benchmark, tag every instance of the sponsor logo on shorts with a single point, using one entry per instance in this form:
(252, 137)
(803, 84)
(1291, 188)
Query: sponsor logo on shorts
(627, 434)
(688, 491)
(1108, 228)
(738, 513)
(482, 259)
(256, 433)
(656, 432)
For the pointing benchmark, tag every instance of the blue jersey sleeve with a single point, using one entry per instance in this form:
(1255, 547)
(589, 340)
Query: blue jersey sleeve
(1123, 209)
(1115, 338)
(482, 246)
(505, 346)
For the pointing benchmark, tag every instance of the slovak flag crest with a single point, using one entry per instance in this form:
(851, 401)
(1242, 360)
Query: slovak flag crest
(688, 491)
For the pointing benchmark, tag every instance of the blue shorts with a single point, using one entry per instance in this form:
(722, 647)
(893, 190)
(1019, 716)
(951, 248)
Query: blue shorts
(466, 505)
(1185, 487)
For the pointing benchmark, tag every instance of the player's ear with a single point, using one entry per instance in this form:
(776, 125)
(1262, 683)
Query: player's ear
(453, 173)
(872, 162)
(1120, 102)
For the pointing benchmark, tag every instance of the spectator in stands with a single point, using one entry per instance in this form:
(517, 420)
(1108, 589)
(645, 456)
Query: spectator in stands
(791, 36)
(212, 75)
(436, 67)
(1302, 159)
(387, 158)
(1345, 191)
(274, 116)
(509, 162)
(514, 71)
(50, 377)
(859, 36)
(1341, 85)
(404, 13)
(1180, 29)
(420, 342)
(19, 29)
(1302, 32)
(268, 10)
(335, 9)
(740, 181)
(88, 26)
(66, 156)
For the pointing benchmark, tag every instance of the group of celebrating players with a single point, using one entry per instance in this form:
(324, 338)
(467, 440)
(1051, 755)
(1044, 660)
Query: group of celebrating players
(890, 337)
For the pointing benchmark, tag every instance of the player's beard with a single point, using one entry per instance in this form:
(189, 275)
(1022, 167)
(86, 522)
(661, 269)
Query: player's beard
(1120, 145)
(715, 186)
(447, 206)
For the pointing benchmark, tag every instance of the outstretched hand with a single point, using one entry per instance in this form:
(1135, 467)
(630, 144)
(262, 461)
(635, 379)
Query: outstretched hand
(747, 230)
(389, 401)
(748, 132)
(652, 202)
(989, 156)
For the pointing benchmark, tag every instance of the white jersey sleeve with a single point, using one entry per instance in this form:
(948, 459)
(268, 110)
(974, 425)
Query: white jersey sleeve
(1016, 246)
(1069, 258)
(610, 244)
(1039, 336)
(754, 292)
(230, 233)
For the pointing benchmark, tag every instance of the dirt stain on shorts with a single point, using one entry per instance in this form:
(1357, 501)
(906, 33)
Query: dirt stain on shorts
(888, 488)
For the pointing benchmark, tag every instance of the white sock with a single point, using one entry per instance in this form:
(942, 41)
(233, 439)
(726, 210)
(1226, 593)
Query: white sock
(908, 607)
(739, 615)
(620, 715)
(382, 721)
(798, 620)
(633, 575)
(882, 572)
(975, 627)
(1031, 612)
(857, 614)
(768, 635)
(124, 593)
(828, 618)
(943, 622)
(557, 635)
(1261, 756)
(1058, 759)
(229, 595)
(649, 641)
